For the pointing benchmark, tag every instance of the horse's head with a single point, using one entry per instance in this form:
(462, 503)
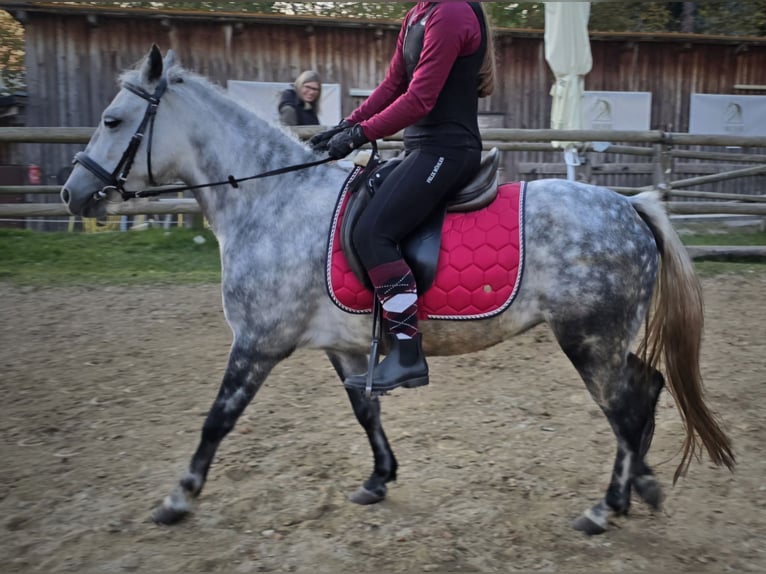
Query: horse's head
(130, 148)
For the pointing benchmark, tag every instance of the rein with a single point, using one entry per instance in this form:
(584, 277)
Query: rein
(115, 181)
(231, 180)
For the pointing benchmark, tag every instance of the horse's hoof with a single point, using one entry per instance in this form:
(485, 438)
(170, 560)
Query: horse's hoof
(166, 515)
(588, 526)
(364, 496)
(649, 490)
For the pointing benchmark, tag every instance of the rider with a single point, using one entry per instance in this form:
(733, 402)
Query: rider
(444, 61)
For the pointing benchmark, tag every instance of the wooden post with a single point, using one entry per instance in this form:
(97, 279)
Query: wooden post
(663, 169)
(585, 172)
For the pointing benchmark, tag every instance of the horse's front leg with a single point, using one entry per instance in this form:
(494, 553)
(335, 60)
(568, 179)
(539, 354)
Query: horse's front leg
(367, 412)
(244, 375)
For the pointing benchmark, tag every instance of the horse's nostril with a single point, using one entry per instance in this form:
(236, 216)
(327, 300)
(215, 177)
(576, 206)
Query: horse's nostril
(65, 195)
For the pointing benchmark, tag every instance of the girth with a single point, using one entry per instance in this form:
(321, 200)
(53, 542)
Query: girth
(421, 248)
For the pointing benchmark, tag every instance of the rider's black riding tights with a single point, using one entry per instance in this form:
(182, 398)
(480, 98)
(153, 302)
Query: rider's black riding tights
(425, 178)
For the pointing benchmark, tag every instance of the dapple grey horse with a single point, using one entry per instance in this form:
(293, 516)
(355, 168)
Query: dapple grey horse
(598, 266)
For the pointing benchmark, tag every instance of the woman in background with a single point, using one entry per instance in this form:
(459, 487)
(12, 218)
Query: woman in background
(299, 105)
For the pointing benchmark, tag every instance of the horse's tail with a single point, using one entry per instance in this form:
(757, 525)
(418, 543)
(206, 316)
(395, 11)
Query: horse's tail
(674, 336)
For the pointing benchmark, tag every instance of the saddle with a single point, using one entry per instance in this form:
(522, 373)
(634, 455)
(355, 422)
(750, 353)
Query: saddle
(420, 249)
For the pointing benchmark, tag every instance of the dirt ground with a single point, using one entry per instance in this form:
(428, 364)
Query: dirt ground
(104, 391)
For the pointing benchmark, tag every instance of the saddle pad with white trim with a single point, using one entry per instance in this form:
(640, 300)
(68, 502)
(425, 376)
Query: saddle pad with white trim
(480, 262)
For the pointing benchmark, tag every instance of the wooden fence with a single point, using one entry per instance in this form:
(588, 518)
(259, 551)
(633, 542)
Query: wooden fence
(662, 149)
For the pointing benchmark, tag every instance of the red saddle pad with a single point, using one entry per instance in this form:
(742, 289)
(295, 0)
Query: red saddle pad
(480, 262)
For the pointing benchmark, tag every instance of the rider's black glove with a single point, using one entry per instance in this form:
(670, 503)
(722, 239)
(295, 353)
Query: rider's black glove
(346, 141)
(319, 141)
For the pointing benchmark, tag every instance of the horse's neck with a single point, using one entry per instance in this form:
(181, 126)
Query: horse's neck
(234, 142)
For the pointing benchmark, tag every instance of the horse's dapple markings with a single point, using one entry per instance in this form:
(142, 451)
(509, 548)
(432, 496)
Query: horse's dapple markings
(594, 263)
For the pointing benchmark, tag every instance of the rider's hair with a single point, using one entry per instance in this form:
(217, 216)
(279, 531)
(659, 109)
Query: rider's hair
(487, 71)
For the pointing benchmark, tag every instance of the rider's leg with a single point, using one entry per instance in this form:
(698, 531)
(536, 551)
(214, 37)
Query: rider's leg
(404, 365)
(423, 180)
(398, 294)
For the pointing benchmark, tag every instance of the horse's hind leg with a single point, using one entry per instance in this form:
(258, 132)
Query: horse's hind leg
(367, 412)
(627, 392)
(631, 413)
(244, 375)
(633, 417)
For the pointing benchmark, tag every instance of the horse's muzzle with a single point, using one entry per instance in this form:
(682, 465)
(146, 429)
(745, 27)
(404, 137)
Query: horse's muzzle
(90, 206)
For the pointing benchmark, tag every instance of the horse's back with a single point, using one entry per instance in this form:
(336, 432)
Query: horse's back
(585, 245)
(567, 206)
(588, 259)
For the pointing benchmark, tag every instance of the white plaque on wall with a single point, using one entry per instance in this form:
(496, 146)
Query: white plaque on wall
(617, 110)
(727, 114)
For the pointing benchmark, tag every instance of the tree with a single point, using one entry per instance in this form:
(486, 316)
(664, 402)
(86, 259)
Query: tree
(393, 10)
(11, 54)
(732, 18)
(631, 17)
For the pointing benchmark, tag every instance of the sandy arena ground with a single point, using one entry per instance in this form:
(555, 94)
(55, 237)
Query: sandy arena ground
(104, 392)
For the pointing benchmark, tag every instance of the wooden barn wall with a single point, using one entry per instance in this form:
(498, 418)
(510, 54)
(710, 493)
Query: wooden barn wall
(72, 65)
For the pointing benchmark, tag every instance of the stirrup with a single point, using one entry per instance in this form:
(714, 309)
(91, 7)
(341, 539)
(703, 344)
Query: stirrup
(370, 390)
(377, 333)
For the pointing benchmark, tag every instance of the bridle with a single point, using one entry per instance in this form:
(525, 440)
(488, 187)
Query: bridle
(115, 181)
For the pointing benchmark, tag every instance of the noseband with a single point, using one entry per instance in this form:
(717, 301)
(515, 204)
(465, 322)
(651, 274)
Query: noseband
(115, 180)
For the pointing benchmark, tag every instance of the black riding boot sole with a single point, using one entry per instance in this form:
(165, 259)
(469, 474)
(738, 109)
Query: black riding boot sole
(359, 383)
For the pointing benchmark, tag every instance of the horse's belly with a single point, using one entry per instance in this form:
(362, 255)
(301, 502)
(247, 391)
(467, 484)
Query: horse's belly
(459, 337)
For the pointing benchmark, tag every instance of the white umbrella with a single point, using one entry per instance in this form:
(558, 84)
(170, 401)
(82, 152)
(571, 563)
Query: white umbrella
(567, 51)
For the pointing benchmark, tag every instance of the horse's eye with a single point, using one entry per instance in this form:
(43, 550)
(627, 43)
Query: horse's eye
(111, 123)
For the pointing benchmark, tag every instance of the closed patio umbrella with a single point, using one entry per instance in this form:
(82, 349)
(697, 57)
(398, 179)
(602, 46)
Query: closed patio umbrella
(567, 51)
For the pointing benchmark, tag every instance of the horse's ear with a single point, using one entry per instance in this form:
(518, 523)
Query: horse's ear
(170, 59)
(152, 68)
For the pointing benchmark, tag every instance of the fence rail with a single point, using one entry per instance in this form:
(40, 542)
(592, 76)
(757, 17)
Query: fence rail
(190, 206)
(663, 151)
(501, 135)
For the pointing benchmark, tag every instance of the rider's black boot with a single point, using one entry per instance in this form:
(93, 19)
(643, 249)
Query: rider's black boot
(404, 366)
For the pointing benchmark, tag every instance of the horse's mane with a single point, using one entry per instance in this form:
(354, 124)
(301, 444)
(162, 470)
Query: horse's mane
(175, 74)
(205, 89)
